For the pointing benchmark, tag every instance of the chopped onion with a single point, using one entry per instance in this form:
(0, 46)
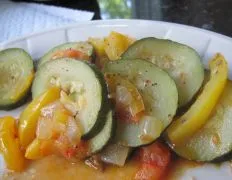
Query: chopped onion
(115, 154)
(123, 96)
(68, 103)
(44, 128)
(151, 128)
(73, 132)
(48, 110)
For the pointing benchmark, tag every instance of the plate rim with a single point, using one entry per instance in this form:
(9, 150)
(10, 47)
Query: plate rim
(109, 23)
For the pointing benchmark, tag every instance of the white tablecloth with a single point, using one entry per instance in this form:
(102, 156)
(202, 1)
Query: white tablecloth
(19, 19)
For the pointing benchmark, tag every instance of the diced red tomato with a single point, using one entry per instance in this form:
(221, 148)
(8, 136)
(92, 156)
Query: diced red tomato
(155, 154)
(154, 161)
(149, 172)
(71, 53)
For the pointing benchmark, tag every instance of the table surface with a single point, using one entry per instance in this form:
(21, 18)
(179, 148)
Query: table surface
(214, 15)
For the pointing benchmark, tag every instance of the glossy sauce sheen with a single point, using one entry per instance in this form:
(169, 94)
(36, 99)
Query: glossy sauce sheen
(54, 167)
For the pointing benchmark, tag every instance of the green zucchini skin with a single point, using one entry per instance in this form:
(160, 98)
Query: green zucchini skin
(213, 142)
(160, 97)
(69, 70)
(181, 62)
(99, 141)
(24, 99)
(105, 107)
(84, 47)
(16, 66)
(223, 158)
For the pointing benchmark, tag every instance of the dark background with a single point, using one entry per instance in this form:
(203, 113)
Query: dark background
(214, 15)
(89, 5)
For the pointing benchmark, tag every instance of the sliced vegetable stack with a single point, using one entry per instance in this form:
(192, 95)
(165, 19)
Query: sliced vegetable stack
(213, 141)
(156, 89)
(84, 91)
(70, 113)
(116, 105)
(203, 132)
(181, 62)
(197, 115)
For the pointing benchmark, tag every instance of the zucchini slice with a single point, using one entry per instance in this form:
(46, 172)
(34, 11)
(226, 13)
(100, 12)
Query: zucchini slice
(16, 72)
(214, 140)
(159, 95)
(77, 50)
(102, 138)
(85, 85)
(143, 132)
(181, 62)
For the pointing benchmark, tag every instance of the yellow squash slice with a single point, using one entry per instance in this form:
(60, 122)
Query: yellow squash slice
(29, 117)
(9, 144)
(195, 118)
(115, 44)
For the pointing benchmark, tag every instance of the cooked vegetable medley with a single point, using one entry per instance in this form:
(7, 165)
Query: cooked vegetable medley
(110, 100)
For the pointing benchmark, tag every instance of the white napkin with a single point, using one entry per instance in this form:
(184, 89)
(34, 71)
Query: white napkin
(19, 19)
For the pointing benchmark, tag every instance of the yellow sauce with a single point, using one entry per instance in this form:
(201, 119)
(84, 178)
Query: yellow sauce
(57, 168)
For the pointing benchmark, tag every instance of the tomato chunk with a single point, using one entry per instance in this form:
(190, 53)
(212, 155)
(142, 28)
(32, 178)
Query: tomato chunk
(154, 161)
(155, 154)
(149, 172)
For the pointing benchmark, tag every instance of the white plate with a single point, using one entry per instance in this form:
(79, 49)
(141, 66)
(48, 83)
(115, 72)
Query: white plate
(205, 42)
